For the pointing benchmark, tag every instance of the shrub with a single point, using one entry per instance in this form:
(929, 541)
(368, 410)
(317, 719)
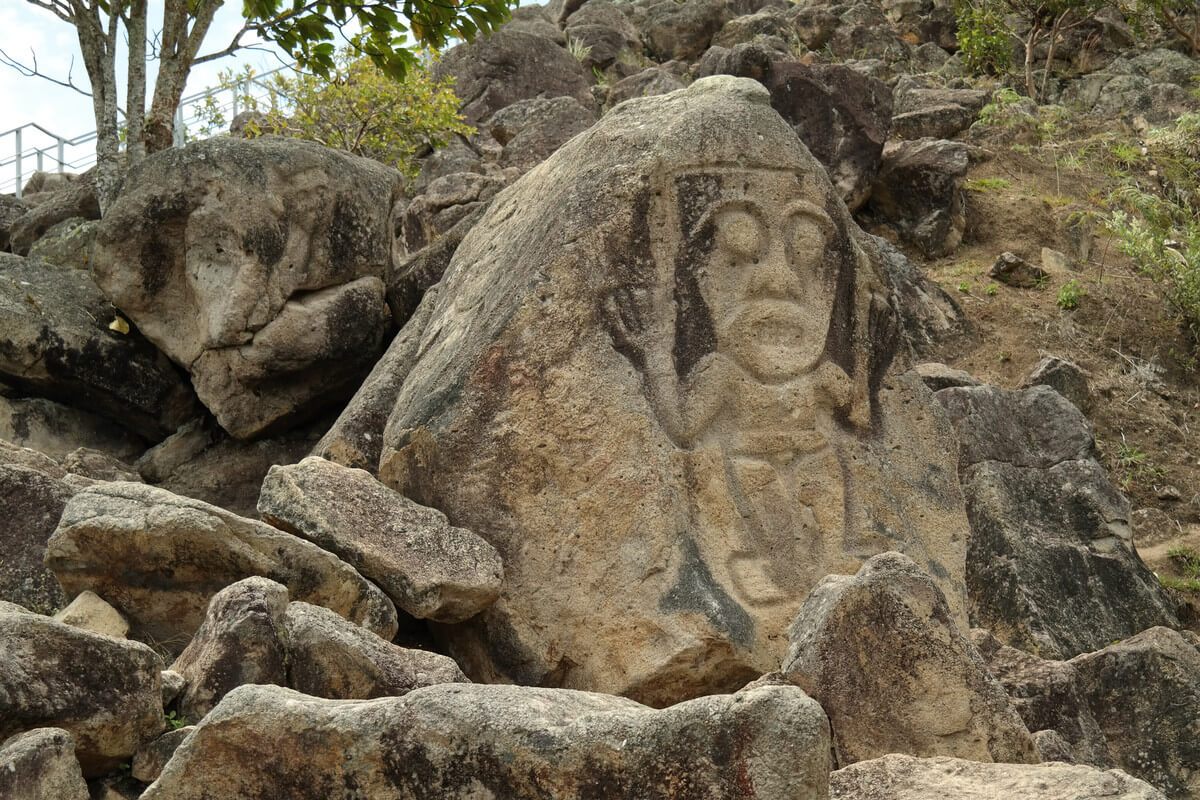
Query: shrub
(1069, 295)
(983, 38)
(362, 110)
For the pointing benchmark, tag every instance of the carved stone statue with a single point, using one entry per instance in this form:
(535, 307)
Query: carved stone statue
(657, 378)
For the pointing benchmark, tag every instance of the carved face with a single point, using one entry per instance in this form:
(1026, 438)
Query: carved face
(762, 280)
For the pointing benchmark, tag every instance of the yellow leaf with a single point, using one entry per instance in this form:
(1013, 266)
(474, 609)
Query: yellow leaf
(119, 325)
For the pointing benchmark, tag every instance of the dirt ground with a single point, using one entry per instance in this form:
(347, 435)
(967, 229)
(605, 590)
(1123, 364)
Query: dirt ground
(1142, 368)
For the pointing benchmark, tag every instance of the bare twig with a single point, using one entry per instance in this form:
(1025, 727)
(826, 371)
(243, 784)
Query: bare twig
(34, 72)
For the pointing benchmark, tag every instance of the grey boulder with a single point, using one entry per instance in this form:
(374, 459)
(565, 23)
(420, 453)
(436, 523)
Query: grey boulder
(159, 558)
(881, 653)
(460, 741)
(105, 692)
(430, 569)
(900, 777)
(258, 266)
(40, 765)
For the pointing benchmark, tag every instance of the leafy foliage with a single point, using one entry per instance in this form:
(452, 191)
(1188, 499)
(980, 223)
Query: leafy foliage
(1181, 16)
(983, 39)
(305, 28)
(1069, 295)
(361, 109)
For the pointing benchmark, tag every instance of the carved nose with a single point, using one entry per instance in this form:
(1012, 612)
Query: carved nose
(773, 276)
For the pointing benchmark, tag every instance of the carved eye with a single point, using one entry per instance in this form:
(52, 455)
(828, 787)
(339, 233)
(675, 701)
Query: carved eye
(808, 240)
(739, 235)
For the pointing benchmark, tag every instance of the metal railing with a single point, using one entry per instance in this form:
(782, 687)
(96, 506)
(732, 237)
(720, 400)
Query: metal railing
(33, 148)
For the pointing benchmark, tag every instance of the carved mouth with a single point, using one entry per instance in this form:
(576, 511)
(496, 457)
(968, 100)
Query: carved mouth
(778, 322)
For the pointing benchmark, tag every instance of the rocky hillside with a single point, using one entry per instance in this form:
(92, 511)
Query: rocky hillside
(758, 405)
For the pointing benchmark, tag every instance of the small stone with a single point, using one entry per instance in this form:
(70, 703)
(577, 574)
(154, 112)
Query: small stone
(90, 612)
(1056, 260)
(1169, 493)
(939, 376)
(1015, 271)
(1064, 377)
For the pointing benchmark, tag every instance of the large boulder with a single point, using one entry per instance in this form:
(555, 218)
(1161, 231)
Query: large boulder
(1134, 704)
(329, 657)
(670, 419)
(76, 198)
(464, 742)
(495, 71)
(881, 653)
(56, 342)
(33, 499)
(919, 193)
(240, 641)
(1051, 566)
(105, 692)
(159, 558)
(428, 568)
(40, 765)
(531, 130)
(12, 208)
(56, 429)
(258, 265)
(900, 777)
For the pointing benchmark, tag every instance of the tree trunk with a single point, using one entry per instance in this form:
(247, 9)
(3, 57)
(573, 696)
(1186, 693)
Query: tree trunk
(135, 95)
(179, 47)
(96, 45)
(1055, 32)
(1030, 43)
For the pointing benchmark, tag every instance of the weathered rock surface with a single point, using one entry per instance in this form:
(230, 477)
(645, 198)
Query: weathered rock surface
(56, 430)
(495, 71)
(1051, 566)
(11, 209)
(229, 472)
(1016, 271)
(590, 393)
(159, 558)
(90, 612)
(530, 130)
(647, 83)
(55, 342)
(919, 192)
(881, 653)
(356, 438)
(842, 116)
(74, 199)
(40, 765)
(461, 741)
(900, 777)
(1133, 705)
(149, 760)
(269, 290)
(68, 244)
(33, 500)
(1064, 377)
(606, 31)
(240, 641)
(329, 657)
(428, 568)
(105, 692)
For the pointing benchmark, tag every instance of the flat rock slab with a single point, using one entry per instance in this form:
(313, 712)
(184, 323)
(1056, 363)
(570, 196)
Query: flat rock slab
(40, 765)
(428, 568)
(898, 777)
(258, 266)
(662, 377)
(106, 692)
(881, 653)
(55, 342)
(464, 742)
(159, 558)
(33, 501)
(1051, 566)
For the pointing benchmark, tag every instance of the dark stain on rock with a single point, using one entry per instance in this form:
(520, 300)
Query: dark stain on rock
(266, 242)
(696, 591)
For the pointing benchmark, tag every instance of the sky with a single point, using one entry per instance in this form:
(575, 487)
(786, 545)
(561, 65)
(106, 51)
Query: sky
(25, 27)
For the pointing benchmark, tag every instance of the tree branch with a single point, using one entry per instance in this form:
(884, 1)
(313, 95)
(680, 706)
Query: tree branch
(33, 72)
(56, 7)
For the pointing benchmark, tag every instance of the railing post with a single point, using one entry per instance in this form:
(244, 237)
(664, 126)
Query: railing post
(20, 178)
(180, 136)
(39, 160)
(60, 154)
